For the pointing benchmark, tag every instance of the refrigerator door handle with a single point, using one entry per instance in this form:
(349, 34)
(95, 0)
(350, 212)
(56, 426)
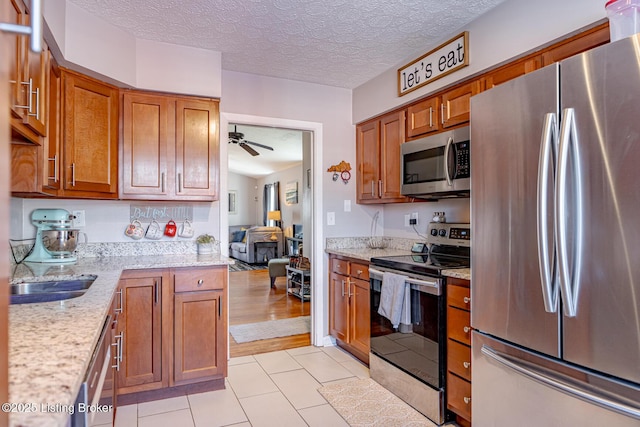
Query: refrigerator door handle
(571, 387)
(568, 282)
(546, 262)
(447, 153)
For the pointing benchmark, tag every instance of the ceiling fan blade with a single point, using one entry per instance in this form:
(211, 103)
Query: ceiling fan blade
(266, 147)
(248, 149)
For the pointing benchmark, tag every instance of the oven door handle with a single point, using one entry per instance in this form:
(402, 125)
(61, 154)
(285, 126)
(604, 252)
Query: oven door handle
(428, 286)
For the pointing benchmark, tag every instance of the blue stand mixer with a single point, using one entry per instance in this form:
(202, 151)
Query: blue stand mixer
(55, 241)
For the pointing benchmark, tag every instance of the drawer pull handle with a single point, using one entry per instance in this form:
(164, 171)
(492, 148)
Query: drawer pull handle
(466, 365)
(466, 300)
(200, 282)
(466, 399)
(466, 329)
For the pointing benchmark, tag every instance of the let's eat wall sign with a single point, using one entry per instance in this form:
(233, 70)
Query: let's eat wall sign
(443, 60)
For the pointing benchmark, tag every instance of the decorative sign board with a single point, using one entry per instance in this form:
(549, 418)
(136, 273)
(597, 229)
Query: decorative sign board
(161, 213)
(443, 60)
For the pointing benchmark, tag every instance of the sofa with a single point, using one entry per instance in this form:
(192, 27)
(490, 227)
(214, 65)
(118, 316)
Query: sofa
(255, 244)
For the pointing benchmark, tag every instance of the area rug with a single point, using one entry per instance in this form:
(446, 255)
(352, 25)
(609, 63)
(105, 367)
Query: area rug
(271, 329)
(243, 266)
(364, 402)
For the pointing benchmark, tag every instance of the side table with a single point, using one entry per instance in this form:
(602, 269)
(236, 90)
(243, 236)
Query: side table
(264, 251)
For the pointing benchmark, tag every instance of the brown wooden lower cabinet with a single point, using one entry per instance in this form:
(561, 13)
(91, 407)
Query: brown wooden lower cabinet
(459, 349)
(173, 329)
(349, 305)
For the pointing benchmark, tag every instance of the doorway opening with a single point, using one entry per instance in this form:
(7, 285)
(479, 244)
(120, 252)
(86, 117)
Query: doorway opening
(259, 159)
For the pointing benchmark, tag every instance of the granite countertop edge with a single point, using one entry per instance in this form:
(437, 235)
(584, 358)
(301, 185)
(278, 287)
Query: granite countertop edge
(51, 344)
(365, 254)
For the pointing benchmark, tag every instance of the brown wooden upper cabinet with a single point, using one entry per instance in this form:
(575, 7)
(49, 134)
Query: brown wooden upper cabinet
(170, 147)
(511, 71)
(29, 72)
(440, 112)
(90, 137)
(378, 159)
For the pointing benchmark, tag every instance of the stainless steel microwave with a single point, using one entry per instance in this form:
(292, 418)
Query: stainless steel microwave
(437, 166)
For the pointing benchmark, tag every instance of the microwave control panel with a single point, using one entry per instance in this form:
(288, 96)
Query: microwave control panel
(462, 160)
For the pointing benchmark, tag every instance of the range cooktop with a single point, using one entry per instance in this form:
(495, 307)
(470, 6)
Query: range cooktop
(450, 247)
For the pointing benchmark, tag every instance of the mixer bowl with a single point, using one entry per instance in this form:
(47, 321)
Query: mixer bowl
(61, 242)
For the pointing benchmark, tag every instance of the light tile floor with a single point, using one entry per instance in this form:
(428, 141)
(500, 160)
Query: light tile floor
(272, 389)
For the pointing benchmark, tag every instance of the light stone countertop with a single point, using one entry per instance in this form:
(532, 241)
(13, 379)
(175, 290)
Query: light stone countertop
(459, 273)
(51, 344)
(365, 254)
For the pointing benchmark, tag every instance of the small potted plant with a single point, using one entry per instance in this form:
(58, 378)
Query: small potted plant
(206, 244)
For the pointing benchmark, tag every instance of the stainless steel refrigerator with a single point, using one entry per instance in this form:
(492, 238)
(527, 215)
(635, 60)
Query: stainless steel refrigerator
(555, 212)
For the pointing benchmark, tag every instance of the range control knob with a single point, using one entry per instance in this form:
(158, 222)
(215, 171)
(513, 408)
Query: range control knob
(434, 232)
(443, 232)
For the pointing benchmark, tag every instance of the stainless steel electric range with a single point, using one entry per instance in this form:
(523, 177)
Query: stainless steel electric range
(410, 360)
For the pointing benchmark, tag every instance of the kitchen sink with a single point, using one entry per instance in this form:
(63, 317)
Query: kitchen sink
(53, 290)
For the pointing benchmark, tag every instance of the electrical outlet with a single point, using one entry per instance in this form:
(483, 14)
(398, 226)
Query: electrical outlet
(79, 220)
(414, 218)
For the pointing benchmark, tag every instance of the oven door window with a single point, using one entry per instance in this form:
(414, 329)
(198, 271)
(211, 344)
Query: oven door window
(424, 166)
(414, 349)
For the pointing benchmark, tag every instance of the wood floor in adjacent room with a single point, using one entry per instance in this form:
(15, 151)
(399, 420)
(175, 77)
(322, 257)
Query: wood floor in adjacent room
(251, 300)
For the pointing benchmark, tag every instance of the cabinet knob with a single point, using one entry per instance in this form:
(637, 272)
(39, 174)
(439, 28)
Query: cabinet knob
(359, 272)
(200, 282)
(466, 300)
(466, 365)
(466, 329)
(466, 399)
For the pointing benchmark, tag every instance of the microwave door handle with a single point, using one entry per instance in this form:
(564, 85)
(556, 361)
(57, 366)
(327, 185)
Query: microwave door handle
(447, 153)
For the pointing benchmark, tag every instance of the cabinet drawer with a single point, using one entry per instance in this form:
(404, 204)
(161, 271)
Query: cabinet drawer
(340, 266)
(360, 271)
(459, 396)
(459, 296)
(459, 325)
(201, 279)
(459, 359)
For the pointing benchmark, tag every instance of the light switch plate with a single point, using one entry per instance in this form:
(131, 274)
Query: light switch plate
(347, 205)
(331, 218)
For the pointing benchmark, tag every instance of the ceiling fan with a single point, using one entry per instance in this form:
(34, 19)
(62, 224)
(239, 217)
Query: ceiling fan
(236, 137)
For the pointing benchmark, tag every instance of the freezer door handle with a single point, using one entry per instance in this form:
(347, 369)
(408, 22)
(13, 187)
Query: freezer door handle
(568, 282)
(566, 385)
(546, 262)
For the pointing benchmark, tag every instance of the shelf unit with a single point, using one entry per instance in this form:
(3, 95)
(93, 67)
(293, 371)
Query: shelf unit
(299, 283)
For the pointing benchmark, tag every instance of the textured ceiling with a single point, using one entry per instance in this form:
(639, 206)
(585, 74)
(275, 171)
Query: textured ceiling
(341, 43)
(286, 144)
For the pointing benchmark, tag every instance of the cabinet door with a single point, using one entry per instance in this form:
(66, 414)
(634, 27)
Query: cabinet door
(339, 307)
(368, 161)
(148, 148)
(511, 71)
(36, 72)
(360, 319)
(391, 136)
(456, 104)
(17, 97)
(90, 137)
(199, 336)
(423, 117)
(140, 324)
(197, 148)
(52, 162)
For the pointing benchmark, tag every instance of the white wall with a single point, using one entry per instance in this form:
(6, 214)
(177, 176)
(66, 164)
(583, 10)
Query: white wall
(510, 29)
(95, 47)
(247, 206)
(106, 219)
(291, 213)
